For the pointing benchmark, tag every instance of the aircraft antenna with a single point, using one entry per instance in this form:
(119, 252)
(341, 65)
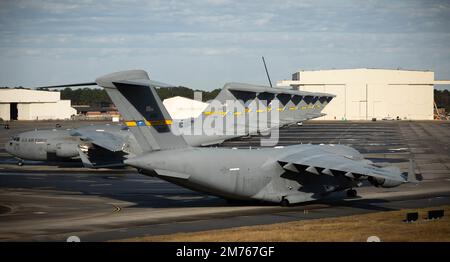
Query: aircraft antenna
(267, 72)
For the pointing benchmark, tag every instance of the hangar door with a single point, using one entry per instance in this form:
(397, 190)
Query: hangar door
(13, 112)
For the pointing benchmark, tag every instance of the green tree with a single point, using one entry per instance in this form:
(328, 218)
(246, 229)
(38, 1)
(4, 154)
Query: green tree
(442, 99)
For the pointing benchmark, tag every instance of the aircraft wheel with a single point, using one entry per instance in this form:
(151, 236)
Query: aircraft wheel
(285, 202)
(352, 193)
(20, 163)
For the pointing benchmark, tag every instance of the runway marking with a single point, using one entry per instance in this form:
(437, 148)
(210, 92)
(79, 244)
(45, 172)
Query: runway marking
(398, 149)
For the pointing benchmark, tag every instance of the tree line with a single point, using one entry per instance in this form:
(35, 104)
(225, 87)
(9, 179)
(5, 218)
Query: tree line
(98, 96)
(442, 99)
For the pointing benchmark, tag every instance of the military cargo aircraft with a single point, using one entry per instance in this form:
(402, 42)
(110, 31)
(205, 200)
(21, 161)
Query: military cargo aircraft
(108, 145)
(285, 175)
(105, 145)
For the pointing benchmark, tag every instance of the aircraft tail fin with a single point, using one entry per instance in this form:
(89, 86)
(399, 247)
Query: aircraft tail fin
(143, 112)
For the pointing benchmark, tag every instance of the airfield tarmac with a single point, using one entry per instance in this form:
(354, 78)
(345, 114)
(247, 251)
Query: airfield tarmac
(50, 203)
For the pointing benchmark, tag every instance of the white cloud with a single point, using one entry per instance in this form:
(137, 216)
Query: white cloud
(215, 51)
(223, 36)
(52, 6)
(218, 2)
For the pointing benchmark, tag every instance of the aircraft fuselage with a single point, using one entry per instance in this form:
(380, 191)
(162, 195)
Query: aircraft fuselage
(43, 145)
(253, 174)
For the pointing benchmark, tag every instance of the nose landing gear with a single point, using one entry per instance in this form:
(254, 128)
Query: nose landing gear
(20, 162)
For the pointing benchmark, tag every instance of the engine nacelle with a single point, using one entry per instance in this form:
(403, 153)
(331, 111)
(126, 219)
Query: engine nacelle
(385, 183)
(66, 150)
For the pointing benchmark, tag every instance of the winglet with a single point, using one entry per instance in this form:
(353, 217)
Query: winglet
(84, 159)
(413, 177)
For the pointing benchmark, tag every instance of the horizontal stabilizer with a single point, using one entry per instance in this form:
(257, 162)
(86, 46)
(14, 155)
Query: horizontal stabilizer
(69, 85)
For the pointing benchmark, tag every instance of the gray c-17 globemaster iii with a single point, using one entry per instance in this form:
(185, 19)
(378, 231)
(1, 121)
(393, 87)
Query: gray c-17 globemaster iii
(108, 145)
(286, 175)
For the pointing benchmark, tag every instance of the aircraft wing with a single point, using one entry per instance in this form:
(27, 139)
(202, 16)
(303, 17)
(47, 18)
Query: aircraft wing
(326, 162)
(106, 149)
(102, 139)
(98, 157)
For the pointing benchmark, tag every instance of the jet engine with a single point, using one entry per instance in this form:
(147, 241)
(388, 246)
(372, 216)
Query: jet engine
(66, 150)
(385, 183)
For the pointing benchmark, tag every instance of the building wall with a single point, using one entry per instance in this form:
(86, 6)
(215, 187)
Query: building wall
(4, 111)
(39, 111)
(182, 108)
(34, 105)
(28, 96)
(23, 111)
(367, 93)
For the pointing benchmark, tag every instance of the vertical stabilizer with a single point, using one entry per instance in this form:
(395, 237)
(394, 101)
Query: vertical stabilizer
(143, 112)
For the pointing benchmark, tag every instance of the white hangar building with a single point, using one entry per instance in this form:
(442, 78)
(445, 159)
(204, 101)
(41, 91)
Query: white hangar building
(181, 107)
(363, 94)
(24, 104)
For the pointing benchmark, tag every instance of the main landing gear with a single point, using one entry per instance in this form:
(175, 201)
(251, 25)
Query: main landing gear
(20, 162)
(352, 193)
(285, 203)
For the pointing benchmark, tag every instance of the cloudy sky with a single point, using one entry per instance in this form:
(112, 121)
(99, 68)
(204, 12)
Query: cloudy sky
(205, 43)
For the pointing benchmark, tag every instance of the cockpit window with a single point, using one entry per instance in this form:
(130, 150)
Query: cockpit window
(16, 138)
